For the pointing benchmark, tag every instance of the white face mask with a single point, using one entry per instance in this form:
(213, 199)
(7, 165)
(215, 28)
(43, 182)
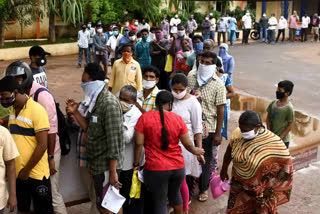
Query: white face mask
(249, 135)
(180, 95)
(152, 36)
(181, 33)
(207, 18)
(148, 84)
(186, 54)
(132, 38)
(176, 16)
(205, 72)
(99, 30)
(136, 23)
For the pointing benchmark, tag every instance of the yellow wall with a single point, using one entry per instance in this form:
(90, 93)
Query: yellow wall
(202, 7)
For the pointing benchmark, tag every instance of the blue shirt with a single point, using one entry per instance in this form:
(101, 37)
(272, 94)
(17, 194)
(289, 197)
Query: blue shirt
(143, 53)
(191, 59)
(232, 24)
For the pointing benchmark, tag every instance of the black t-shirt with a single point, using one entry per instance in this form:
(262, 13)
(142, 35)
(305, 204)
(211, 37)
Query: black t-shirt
(159, 60)
(39, 75)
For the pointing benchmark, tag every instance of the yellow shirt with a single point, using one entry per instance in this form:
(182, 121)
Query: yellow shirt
(8, 151)
(32, 118)
(125, 74)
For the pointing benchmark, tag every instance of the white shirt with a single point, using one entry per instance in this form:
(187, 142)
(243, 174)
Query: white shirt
(92, 32)
(305, 21)
(247, 22)
(145, 26)
(113, 43)
(174, 21)
(213, 24)
(83, 39)
(282, 24)
(130, 120)
(272, 21)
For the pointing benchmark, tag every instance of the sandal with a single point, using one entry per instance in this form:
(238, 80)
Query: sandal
(203, 196)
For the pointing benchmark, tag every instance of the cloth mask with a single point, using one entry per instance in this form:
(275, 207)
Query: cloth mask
(249, 135)
(99, 30)
(198, 47)
(89, 25)
(91, 91)
(84, 28)
(136, 23)
(116, 33)
(163, 21)
(186, 54)
(125, 106)
(279, 95)
(144, 38)
(148, 84)
(132, 38)
(6, 102)
(176, 16)
(126, 32)
(205, 73)
(181, 33)
(41, 61)
(126, 57)
(180, 95)
(110, 33)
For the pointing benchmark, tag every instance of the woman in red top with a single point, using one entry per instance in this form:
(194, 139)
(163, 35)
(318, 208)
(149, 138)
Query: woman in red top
(159, 132)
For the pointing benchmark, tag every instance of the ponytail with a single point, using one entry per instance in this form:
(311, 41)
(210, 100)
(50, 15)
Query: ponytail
(163, 97)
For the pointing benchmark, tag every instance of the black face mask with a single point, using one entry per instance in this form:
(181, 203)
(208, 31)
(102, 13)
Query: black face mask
(41, 61)
(280, 95)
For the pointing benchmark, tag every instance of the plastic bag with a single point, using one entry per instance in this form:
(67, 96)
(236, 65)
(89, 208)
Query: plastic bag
(168, 67)
(135, 190)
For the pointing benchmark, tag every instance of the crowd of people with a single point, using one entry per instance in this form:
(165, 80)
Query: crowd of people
(162, 110)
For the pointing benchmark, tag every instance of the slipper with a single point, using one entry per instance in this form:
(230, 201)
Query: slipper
(203, 196)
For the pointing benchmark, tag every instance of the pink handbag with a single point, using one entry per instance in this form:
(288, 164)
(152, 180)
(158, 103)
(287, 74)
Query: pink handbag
(218, 187)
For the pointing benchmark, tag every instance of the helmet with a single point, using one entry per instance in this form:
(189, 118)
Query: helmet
(19, 68)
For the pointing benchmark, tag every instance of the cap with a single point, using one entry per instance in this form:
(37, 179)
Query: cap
(37, 51)
(211, 14)
(126, 28)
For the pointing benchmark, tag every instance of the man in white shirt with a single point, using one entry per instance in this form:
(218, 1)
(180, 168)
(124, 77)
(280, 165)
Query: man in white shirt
(113, 43)
(92, 32)
(174, 24)
(272, 29)
(246, 26)
(144, 25)
(304, 27)
(281, 28)
(83, 43)
(212, 27)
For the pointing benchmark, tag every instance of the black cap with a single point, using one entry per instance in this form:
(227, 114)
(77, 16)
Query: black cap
(37, 51)
(9, 83)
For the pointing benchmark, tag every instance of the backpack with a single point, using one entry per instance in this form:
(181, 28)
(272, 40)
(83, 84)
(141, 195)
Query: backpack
(64, 139)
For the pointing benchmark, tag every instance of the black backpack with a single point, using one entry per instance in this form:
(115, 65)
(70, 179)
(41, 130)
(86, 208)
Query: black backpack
(64, 139)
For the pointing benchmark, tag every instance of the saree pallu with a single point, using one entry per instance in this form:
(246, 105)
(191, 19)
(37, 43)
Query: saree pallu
(262, 174)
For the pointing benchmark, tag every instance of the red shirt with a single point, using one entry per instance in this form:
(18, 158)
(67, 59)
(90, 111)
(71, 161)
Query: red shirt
(157, 159)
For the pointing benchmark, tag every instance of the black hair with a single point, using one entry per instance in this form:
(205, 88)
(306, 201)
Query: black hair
(139, 34)
(128, 45)
(287, 85)
(180, 79)
(250, 118)
(10, 83)
(158, 28)
(197, 37)
(144, 30)
(129, 89)
(131, 33)
(219, 63)
(153, 29)
(185, 39)
(153, 69)
(115, 28)
(209, 54)
(181, 25)
(164, 97)
(95, 72)
(84, 24)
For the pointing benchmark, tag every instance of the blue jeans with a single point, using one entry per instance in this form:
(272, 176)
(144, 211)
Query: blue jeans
(265, 31)
(206, 36)
(86, 55)
(212, 35)
(232, 34)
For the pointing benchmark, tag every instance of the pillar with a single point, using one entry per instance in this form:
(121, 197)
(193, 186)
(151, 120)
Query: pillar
(264, 7)
(303, 8)
(286, 8)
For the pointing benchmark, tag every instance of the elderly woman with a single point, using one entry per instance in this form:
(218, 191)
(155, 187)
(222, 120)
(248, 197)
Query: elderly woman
(262, 168)
(228, 61)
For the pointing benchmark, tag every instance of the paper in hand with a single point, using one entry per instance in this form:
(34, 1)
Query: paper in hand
(113, 201)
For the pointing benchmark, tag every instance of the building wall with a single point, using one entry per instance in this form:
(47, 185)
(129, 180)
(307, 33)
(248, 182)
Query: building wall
(202, 7)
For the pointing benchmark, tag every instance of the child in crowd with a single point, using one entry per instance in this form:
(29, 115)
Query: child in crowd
(280, 112)
(181, 59)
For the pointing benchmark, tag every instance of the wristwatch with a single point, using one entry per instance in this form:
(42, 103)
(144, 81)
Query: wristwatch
(50, 157)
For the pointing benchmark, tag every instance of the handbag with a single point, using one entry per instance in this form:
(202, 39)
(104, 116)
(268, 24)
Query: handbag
(168, 67)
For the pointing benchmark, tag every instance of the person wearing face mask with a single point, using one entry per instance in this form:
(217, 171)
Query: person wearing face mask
(198, 48)
(212, 27)
(189, 108)
(192, 26)
(246, 27)
(125, 39)
(222, 29)
(260, 159)
(181, 59)
(213, 101)
(152, 34)
(158, 52)
(304, 27)
(272, 29)
(205, 25)
(21, 71)
(142, 52)
(38, 59)
(159, 133)
(282, 26)
(125, 71)
(32, 168)
(227, 60)
(293, 26)
(264, 23)
(131, 114)
(103, 126)
(175, 43)
(113, 42)
(101, 53)
(165, 27)
(92, 32)
(280, 116)
(83, 44)
(174, 22)
(144, 25)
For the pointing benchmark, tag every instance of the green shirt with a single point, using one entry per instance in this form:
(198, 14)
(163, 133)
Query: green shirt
(279, 118)
(4, 112)
(105, 133)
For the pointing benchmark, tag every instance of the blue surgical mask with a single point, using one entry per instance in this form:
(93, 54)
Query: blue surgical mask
(222, 52)
(198, 47)
(144, 38)
(125, 32)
